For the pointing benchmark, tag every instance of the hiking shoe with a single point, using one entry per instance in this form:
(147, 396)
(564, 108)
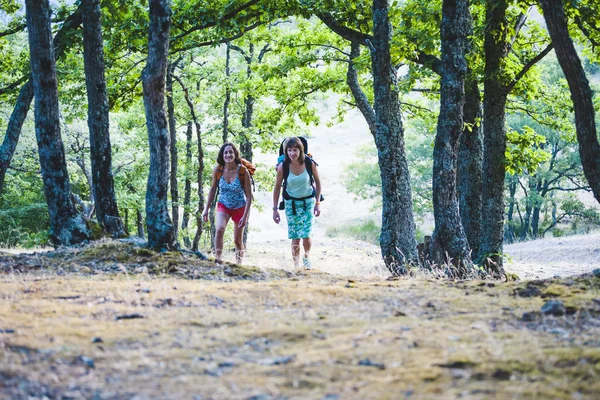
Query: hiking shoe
(306, 263)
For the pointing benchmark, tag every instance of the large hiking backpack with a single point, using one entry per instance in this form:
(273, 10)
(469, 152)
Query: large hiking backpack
(308, 163)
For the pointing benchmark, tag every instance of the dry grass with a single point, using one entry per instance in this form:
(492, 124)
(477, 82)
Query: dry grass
(255, 332)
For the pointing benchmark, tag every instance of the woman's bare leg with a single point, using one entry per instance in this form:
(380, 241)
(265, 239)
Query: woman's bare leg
(221, 221)
(307, 244)
(238, 238)
(296, 252)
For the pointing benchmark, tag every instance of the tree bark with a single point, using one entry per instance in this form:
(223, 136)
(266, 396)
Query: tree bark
(200, 171)
(449, 239)
(98, 122)
(13, 130)
(199, 222)
(227, 97)
(581, 94)
(173, 149)
(509, 234)
(245, 142)
(161, 235)
(360, 98)
(494, 105)
(469, 167)
(398, 242)
(187, 191)
(17, 118)
(139, 219)
(67, 227)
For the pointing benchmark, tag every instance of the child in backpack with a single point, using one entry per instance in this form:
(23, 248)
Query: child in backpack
(235, 199)
(301, 205)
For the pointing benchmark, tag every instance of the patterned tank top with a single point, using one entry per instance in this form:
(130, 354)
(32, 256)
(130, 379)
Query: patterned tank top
(232, 195)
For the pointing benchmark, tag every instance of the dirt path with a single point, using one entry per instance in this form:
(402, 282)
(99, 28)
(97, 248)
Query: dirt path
(334, 147)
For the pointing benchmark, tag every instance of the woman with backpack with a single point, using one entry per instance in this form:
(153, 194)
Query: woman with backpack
(296, 175)
(232, 180)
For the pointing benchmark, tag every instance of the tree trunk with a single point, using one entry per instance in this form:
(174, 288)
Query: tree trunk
(98, 122)
(140, 224)
(187, 192)
(535, 221)
(161, 235)
(509, 234)
(13, 130)
(526, 223)
(581, 94)
(227, 97)
(173, 150)
(67, 227)
(469, 166)
(494, 105)
(17, 118)
(246, 143)
(199, 222)
(398, 243)
(449, 239)
(200, 165)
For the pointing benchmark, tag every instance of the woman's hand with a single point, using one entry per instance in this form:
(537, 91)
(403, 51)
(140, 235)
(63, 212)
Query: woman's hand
(317, 209)
(205, 215)
(243, 221)
(276, 216)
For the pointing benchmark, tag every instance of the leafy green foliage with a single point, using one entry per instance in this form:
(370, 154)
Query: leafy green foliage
(523, 151)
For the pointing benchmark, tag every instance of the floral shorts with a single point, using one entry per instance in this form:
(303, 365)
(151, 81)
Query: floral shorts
(300, 224)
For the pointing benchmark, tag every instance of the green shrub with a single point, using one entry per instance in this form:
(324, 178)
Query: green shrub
(366, 230)
(25, 227)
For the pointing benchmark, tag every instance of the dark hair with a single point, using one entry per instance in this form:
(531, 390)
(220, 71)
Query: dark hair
(220, 159)
(297, 143)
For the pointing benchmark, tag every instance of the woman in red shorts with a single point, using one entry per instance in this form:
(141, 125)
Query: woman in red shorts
(235, 198)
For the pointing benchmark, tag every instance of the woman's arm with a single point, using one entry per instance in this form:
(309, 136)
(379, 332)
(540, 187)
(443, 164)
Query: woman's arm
(277, 192)
(248, 191)
(315, 171)
(211, 194)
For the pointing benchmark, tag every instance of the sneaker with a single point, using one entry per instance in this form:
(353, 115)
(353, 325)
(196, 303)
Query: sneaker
(306, 263)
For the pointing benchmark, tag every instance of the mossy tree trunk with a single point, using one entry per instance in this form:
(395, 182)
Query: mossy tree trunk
(98, 122)
(173, 149)
(449, 239)
(187, 190)
(581, 93)
(469, 166)
(494, 109)
(19, 113)
(161, 235)
(398, 242)
(67, 226)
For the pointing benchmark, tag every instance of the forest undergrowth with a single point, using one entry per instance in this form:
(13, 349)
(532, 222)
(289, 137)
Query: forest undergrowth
(112, 321)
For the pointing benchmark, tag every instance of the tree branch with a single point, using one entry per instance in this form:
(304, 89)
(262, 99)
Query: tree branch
(219, 41)
(530, 64)
(429, 61)
(218, 20)
(322, 45)
(343, 31)
(362, 103)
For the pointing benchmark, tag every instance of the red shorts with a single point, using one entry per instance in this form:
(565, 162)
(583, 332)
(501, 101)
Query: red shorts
(235, 214)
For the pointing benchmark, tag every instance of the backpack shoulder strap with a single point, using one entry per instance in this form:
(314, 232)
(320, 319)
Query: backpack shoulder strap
(219, 171)
(242, 175)
(308, 163)
(286, 173)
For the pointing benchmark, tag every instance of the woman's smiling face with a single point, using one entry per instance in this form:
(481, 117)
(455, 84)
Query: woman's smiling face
(293, 153)
(228, 154)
